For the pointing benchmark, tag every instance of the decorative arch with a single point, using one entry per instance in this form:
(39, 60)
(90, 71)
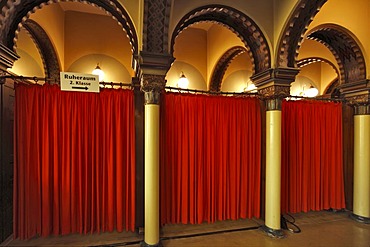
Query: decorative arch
(335, 83)
(294, 31)
(15, 13)
(46, 49)
(237, 22)
(345, 49)
(222, 65)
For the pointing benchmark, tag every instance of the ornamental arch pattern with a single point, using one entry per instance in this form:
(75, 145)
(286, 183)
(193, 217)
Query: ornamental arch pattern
(345, 49)
(15, 13)
(45, 47)
(237, 22)
(294, 31)
(222, 65)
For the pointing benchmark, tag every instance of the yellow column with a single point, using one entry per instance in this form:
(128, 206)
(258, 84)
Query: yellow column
(273, 86)
(273, 169)
(361, 180)
(151, 189)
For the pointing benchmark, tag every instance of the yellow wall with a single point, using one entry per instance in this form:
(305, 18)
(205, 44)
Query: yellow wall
(201, 50)
(219, 40)
(328, 74)
(51, 19)
(282, 11)
(114, 71)
(196, 80)
(312, 72)
(191, 47)
(30, 62)
(95, 34)
(241, 62)
(311, 48)
(236, 81)
(135, 9)
(27, 65)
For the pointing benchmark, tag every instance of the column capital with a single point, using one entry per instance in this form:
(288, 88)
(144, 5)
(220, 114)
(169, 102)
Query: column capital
(153, 70)
(275, 76)
(274, 95)
(152, 86)
(274, 92)
(362, 109)
(154, 63)
(355, 88)
(7, 57)
(357, 95)
(273, 85)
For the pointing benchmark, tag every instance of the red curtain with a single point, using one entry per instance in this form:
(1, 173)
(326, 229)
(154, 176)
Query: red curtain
(312, 167)
(74, 169)
(210, 158)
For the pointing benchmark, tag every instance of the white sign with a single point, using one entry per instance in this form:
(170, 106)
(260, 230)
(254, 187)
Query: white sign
(78, 82)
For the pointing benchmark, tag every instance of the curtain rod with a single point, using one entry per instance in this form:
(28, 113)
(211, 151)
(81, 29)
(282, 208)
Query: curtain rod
(45, 79)
(33, 78)
(317, 99)
(210, 92)
(251, 94)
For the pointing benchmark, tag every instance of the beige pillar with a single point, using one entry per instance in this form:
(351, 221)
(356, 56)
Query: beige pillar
(273, 169)
(151, 174)
(361, 179)
(273, 86)
(152, 86)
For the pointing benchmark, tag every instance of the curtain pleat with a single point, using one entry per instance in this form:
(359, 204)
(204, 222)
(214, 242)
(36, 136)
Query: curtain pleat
(210, 158)
(74, 168)
(312, 174)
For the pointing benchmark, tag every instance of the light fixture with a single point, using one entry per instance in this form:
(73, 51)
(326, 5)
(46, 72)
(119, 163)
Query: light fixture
(183, 81)
(99, 72)
(311, 92)
(250, 88)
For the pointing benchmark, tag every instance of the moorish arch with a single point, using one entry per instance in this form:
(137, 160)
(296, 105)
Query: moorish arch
(236, 21)
(293, 33)
(46, 49)
(310, 60)
(346, 50)
(15, 13)
(222, 65)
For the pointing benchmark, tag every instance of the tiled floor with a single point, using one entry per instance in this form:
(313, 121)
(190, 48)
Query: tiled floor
(318, 229)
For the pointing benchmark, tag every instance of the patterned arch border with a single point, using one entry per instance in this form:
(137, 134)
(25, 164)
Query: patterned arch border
(307, 61)
(239, 23)
(15, 13)
(222, 65)
(345, 49)
(294, 31)
(46, 49)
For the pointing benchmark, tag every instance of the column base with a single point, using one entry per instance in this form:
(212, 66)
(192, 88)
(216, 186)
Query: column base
(272, 232)
(144, 244)
(360, 219)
